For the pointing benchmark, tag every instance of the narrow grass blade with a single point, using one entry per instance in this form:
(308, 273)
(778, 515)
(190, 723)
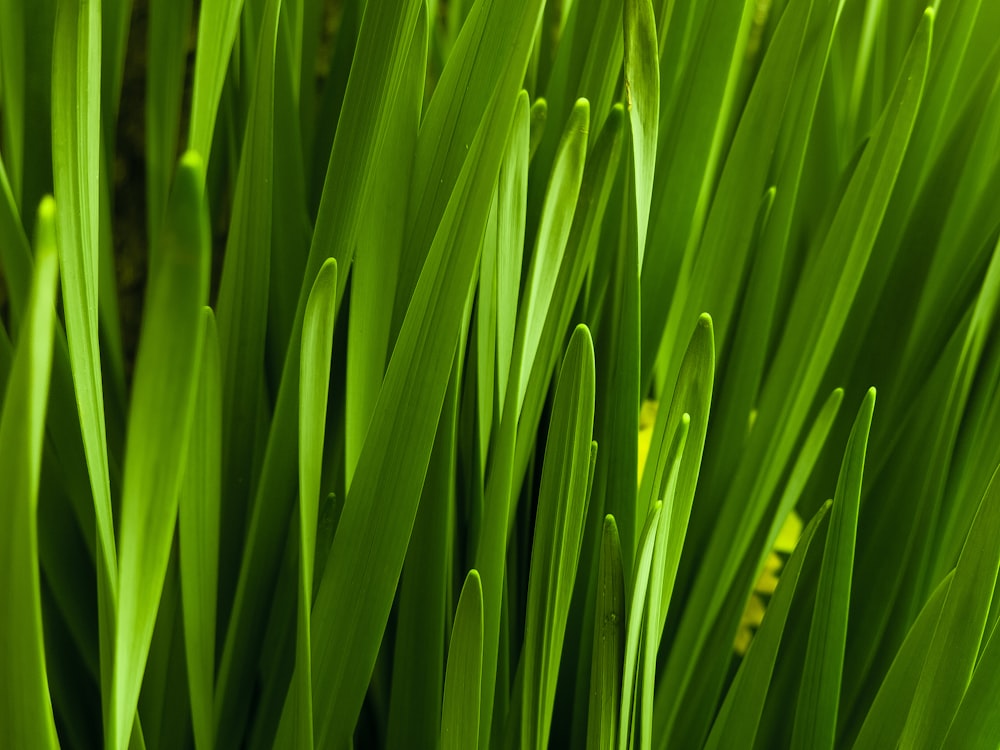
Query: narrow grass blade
(609, 644)
(198, 532)
(160, 417)
(218, 21)
(26, 718)
(740, 713)
(634, 622)
(954, 650)
(559, 520)
(887, 715)
(816, 710)
(642, 100)
(460, 710)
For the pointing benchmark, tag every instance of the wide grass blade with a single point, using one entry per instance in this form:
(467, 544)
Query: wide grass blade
(26, 718)
(198, 533)
(977, 722)
(160, 418)
(460, 709)
(819, 697)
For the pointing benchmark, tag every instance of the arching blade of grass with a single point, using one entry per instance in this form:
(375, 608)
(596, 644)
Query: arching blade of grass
(977, 723)
(460, 710)
(198, 532)
(218, 21)
(819, 697)
(26, 718)
(736, 723)
(296, 729)
(887, 714)
(160, 417)
(559, 521)
(608, 648)
(954, 650)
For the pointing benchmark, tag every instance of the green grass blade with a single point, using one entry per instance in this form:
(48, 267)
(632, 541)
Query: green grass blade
(26, 718)
(816, 710)
(160, 418)
(559, 520)
(634, 622)
(218, 21)
(642, 100)
(887, 715)
(198, 532)
(977, 723)
(954, 650)
(460, 710)
(609, 644)
(740, 713)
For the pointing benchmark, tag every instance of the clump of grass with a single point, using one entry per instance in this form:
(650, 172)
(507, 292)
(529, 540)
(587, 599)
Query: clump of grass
(485, 376)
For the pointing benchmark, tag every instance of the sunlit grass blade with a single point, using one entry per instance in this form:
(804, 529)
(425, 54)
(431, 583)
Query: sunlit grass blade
(26, 718)
(888, 711)
(460, 710)
(608, 645)
(296, 730)
(819, 697)
(198, 532)
(953, 652)
(642, 100)
(740, 713)
(160, 417)
(559, 520)
(218, 21)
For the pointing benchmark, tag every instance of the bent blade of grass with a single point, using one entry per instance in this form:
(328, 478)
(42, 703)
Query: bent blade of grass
(739, 716)
(642, 100)
(559, 520)
(819, 696)
(460, 709)
(218, 21)
(160, 417)
(888, 711)
(26, 718)
(954, 649)
(608, 647)
(198, 533)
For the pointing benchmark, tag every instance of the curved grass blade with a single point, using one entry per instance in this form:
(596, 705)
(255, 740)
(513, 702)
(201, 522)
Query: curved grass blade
(26, 718)
(739, 716)
(819, 696)
(887, 715)
(460, 709)
(609, 644)
(954, 650)
(198, 533)
(562, 508)
(160, 418)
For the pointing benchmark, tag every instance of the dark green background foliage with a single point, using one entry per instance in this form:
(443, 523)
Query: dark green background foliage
(326, 328)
